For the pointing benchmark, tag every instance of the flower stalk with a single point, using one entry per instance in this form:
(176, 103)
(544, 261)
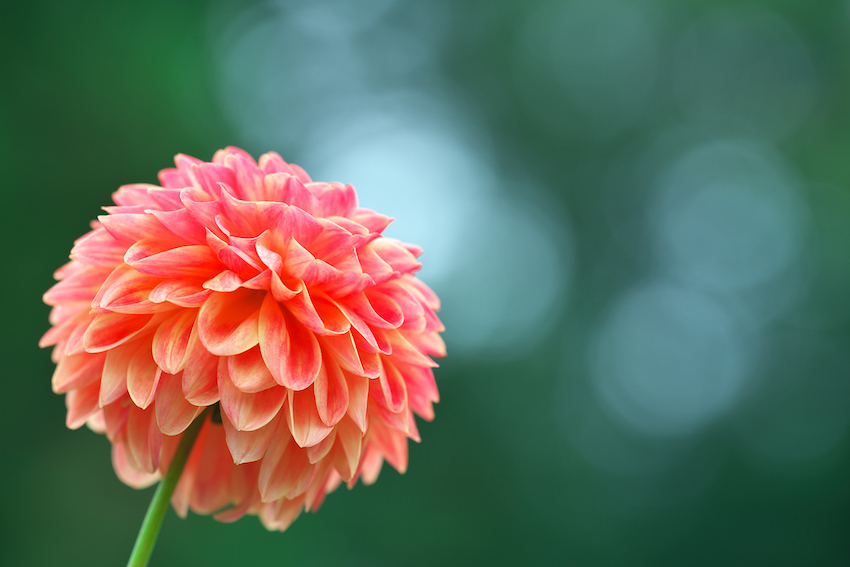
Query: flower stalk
(162, 497)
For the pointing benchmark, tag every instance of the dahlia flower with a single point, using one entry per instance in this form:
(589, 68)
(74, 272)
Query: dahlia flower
(272, 299)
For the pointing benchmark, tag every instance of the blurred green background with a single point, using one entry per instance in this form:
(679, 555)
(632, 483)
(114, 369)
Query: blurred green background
(637, 214)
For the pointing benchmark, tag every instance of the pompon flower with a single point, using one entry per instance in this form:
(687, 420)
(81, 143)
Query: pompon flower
(251, 287)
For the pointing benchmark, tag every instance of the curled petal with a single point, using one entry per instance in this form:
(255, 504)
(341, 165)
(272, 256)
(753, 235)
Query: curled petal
(395, 254)
(343, 350)
(249, 177)
(301, 306)
(200, 379)
(421, 389)
(392, 444)
(224, 282)
(320, 450)
(249, 446)
(99, 248)
(129, 228)
(143, 375)
(133, 194)
(331, 391)
(127, 291)
(291, 190)
(285, 469)
(183, 292)
(227, 322)
(109, 330)
(81, 284)
(82, 403)
(77, 371)
(182, 224)
(386, 308)
(303, 418)
(404, 351)
(291, 351)
(374, 222)
(151, 257)
(209, 471)
(428, 297)
(143, 439)
(211, 175)
(334, 321)
(232, 258)
(392, 387)
(337, 200)
(113, 384)
(301, 264)
(280, 290)
(358, 400)
(173, 412)
(249, 371)
(349, 444)
(171, 340)
(247, 411)
(128, 472)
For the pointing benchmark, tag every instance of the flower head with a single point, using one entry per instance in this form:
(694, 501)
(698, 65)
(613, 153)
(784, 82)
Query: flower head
(252, 287)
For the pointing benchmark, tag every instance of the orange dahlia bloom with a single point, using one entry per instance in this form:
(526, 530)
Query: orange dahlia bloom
(252, 287)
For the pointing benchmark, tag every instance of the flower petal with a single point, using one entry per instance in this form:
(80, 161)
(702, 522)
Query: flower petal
(182, 224)
(80, 284)
(129, 228)
(292, 191)
(249, 371)
(392, 387)
(247, 412)
(301, 306)
(334, 321)
(160, 258)
(183, 292)
(200, 379)
(249, 446)
(82, 403)
(285, 470)
(127, 291)
(344, 352)
(291, 351)
(143, 375)
(113, 384)
(358, 399)
(143, 439)
(225, 282)
(338, 200)
(109, 330)
(228, 321)
(173, 412)
(171, 340)
(331, 392)
(303, 418)
(395, 254)
(404, 351)
(77, 371)
(349, 444)
(99, 248)
(128, 473)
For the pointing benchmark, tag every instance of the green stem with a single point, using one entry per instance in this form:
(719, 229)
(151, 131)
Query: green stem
(161, 498)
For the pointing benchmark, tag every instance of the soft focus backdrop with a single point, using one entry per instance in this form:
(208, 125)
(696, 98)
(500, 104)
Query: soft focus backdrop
(637, 213)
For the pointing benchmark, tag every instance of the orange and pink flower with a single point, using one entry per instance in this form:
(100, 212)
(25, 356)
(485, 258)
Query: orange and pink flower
(250, 286)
